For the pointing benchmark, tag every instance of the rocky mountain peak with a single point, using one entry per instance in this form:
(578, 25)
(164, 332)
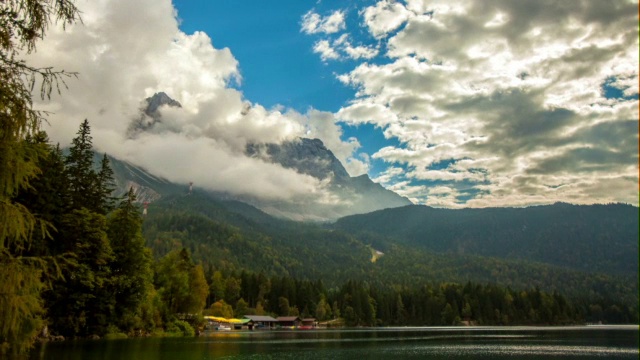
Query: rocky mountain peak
(310, 156)
(307, 156)
(150, 113)
(158, 99)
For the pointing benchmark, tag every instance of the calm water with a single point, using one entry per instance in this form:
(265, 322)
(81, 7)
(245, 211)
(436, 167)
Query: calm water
(388, 343)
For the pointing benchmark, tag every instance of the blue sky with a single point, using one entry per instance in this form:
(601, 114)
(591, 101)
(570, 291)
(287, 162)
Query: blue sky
(277, 62)
(276, 59)
(449, 103)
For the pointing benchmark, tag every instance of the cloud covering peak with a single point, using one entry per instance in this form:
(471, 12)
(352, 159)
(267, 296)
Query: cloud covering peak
(124, 52)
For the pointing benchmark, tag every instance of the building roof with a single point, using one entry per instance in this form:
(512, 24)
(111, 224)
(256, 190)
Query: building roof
(261, 318)
(288, 318)
(225, 320)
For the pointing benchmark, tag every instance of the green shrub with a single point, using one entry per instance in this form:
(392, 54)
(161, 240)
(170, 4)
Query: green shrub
(180, 328)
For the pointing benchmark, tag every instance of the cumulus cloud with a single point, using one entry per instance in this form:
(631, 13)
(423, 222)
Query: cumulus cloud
(342, 48)
(313, 23)
(331, 46)
(343, 43)
(126, 51)
(503, 103)
(325, 50)
(385, 16)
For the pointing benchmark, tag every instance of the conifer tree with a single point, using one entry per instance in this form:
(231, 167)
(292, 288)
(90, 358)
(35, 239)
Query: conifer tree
(83, 179)
(131, 265)
(46, 197)
(80, 303)
(106, 184)
(22, 23)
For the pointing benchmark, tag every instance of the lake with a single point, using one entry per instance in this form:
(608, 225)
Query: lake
(584, 342)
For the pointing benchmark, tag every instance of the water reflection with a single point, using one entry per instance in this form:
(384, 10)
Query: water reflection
(388, 343)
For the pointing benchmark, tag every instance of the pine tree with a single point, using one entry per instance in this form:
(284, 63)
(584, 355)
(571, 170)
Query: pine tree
(106, 184)
(46, 197)
(131, 265)
(80, 303)
(22, 23)
(83, 179)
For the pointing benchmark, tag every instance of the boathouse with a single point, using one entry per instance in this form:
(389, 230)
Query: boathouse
(262, 321)
(289, 321)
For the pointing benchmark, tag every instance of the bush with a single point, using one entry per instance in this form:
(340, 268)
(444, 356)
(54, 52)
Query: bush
(180, 328)
(114, 333)
(118, 335)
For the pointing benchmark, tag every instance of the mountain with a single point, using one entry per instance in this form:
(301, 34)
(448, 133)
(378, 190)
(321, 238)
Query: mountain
(575, 250)
(146, 186)
(590, 238)
(348, 195)
(310, 156)
(587, 251)
(232, 237)
(150, 113)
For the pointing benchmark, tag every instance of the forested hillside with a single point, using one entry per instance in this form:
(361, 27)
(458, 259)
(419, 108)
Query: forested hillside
(231, 237)
(593, 238)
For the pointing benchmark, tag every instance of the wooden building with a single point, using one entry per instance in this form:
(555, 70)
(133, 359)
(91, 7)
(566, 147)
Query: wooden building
(262, 322)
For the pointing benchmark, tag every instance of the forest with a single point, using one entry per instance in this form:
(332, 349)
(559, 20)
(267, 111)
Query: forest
(100, 277)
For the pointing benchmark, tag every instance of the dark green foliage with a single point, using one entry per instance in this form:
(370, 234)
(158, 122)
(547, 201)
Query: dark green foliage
(47, 196)
(307, 251)
(360, 303)
(104, 267)
(80, 303)
(106, 184)
(29, 265)
(259, 264)
(595, 238)
(131, 272)
(87, 187)
(181, 285)
(82, 178)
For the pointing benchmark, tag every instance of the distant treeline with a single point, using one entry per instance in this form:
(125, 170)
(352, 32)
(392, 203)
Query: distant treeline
(362, 304)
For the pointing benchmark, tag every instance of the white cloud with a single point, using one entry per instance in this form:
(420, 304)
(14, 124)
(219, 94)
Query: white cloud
(384, 17)
(313, 23)
(360, 51)
(358, 165)
(510, 94)
(342, 48)
(505, 99)
(127, 50)
(326, 51)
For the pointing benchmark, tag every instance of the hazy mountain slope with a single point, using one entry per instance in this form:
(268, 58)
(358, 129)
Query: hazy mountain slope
(309, 156)
(147, 187)
(343, 194)
(598, 238)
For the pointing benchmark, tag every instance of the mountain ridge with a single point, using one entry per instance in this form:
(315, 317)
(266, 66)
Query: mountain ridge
(233, 240)
(350, 195)
(585, 237)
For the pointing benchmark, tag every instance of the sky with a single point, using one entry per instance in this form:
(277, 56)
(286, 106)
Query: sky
(449, 103)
